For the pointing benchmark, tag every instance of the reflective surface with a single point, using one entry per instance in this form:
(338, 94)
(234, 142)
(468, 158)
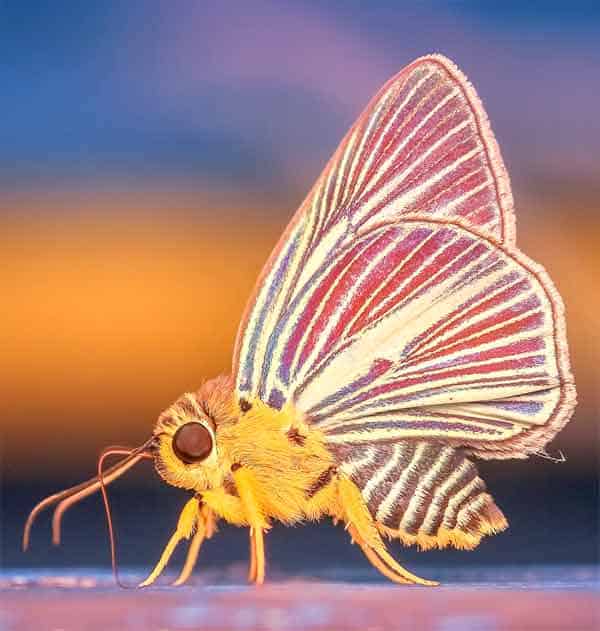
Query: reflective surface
(507, 598)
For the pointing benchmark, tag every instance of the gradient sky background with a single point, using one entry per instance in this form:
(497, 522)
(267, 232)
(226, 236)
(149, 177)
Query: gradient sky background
(151, 153)
(258, 94)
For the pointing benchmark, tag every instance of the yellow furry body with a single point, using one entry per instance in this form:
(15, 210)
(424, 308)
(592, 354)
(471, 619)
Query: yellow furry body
(282, 469)
(282, 472)
(268, 465)
(285, 461)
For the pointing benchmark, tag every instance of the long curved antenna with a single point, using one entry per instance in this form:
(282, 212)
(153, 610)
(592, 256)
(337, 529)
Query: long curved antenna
(111, 474)
(133, 456)
(63, 495)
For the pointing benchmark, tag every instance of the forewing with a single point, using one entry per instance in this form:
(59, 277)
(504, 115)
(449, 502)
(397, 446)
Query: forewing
(422, 145)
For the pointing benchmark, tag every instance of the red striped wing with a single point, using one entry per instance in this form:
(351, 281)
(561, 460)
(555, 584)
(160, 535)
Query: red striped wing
(423, 329)
(423, 144)
(380, 324)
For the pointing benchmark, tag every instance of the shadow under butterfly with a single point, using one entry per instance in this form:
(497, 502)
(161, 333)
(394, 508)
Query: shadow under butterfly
(395, 334)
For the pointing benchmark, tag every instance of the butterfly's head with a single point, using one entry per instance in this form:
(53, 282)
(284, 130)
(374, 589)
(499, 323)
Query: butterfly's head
(186, 450)
(183, 446)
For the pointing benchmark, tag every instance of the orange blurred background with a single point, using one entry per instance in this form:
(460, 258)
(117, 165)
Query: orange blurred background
(114, 311)
(150, 155)
(154, 154)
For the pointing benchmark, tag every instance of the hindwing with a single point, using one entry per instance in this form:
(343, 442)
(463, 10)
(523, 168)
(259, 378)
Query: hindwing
(423, 492)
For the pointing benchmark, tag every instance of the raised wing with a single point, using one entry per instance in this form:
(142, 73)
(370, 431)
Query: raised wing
(422, 145)
(380, 324)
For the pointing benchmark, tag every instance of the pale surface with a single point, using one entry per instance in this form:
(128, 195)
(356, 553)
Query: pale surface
(507, 599)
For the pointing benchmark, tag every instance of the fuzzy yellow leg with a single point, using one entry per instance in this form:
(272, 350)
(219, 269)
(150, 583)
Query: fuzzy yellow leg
(252, 568)
(209, 521)
(256, 573)
(364, 531)
(226, 506)
(204, 530)
(185, 527)
(245, 484)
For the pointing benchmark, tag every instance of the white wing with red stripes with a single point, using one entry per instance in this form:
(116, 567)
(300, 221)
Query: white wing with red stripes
(396, 304)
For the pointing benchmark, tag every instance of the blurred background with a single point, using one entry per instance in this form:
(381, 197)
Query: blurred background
(150, 155)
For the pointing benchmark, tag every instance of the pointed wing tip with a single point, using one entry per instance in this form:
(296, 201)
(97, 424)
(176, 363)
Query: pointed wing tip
(498, 168)
(447, 64)
(437, 57)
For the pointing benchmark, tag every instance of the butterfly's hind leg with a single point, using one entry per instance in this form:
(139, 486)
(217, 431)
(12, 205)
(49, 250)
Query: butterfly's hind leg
(363, 530)
(252, 568)
(256, 573)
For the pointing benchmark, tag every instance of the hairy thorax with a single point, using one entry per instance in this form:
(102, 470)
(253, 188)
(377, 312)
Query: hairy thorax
(295, 475)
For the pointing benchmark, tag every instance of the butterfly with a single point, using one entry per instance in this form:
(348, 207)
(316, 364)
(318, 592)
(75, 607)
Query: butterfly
(395, 335)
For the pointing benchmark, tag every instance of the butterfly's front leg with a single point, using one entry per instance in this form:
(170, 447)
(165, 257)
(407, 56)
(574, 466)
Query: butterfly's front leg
(205, 529)
(188, 521)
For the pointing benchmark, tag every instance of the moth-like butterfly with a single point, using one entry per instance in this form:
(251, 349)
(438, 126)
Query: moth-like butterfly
(395, 335)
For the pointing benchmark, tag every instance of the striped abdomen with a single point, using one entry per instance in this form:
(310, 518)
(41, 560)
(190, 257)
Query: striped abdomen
(423, 492)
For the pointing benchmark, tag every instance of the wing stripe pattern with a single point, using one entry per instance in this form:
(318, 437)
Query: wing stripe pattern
(461, 476)
(422, 496)
(379, 251)
(366, 459)
(422, 145)
(403, 487)
(444, 318)
(409, 256)
(273, 284)
(425, 147)
(382, 475)
(417, 488)
(396, 305)
(489, 335)
(351, 290)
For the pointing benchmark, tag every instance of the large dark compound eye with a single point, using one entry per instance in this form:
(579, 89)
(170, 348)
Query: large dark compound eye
(192, 442)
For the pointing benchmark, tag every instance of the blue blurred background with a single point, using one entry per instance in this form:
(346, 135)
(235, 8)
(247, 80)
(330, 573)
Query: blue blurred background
(151, 153)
